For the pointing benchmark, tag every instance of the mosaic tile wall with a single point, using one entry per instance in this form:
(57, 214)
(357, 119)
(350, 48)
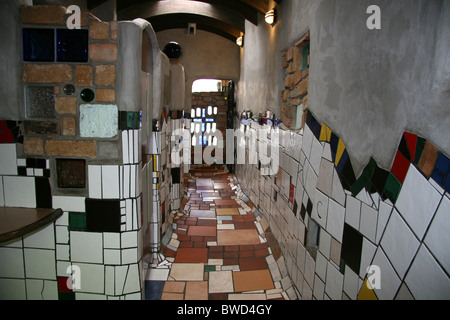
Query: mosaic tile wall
(332, 226)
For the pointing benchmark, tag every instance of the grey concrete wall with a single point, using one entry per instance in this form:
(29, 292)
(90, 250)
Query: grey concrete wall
(11, 88)
(205, 55)
(368, 86)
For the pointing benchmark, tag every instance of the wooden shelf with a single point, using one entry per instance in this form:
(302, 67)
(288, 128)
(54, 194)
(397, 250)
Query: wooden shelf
(17, 222)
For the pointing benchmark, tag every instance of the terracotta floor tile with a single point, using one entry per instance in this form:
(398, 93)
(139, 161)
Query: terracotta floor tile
(237, 237)
(192, 255)
(172, 296)
(218, 296)
(227, 212)
(204, 231)
(187, 272)
(247, 264)
(220, 282)
(174, 286)
(252, 280)
(196, 290)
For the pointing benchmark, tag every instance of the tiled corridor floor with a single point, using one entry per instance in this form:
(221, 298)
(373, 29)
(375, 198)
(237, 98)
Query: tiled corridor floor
(221, 247)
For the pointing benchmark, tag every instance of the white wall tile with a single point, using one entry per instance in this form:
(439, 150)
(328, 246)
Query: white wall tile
(353, 212)
(19, 192)
(389, 279)
(15, 267)
(95, 182)
(111, 240)
(41, 289)
(418, 201)
(426, 280)
(86, 247)
(8, 159)
(321, 266)
(132, 283)
(316, 154)
(309, 269)
(384, 212)
(337, 191)
(43, 238)
(2, 197)
(438, 236)
(92, 278)
(320, 209)
(63, 252)
(335, 221)
(112, 257)
(368, 223)
(399, 243)
(125, 151)
(12, 289)
(62, 234)
(334, 283)
(325, 243)
(110, 182)
(351, 281)
(367, 253)
(319, 288)
(71, 204)
(40, 264)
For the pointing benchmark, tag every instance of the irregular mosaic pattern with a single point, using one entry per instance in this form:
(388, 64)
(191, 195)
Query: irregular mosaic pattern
(332, 226)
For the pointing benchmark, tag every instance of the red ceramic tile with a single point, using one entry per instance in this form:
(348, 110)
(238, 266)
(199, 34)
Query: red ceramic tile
(400, 167)
(411, 140)
(247, 264)
(291, 194)
(192, 255)
(62, 284)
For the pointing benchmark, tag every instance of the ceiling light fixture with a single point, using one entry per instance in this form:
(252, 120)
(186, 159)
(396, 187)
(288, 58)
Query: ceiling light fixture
(271, 17)
(240, 41)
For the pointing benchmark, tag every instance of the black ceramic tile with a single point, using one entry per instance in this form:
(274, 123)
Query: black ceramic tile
(303, 212)
(379, 178)
(38, 44)
(40, 102)
(71, 173)
(352, 248)
(43, 193)
(419, 149)
(334, 141)
(72, 45)
(403, 148)
(22, 171)
(315, 127)
(348, 176)
(175, 175)
(102, 215)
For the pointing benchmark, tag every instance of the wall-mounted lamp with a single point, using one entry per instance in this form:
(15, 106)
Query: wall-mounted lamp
(240, 41)
(271, 17)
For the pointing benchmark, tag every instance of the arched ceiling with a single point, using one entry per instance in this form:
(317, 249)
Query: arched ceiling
(222, 17)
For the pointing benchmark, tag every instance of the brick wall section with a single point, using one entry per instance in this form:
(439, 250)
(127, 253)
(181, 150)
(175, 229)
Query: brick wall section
(98, 74)
(295, 92)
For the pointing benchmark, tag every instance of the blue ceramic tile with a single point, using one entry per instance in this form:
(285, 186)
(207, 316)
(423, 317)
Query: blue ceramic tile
(443, 164)
(153, 290)
(72, 45)
(439, 178)
(38, 44)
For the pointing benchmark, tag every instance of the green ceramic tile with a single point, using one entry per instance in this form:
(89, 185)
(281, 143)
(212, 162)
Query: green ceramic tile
(210, 268)
(419, 149)
(392, 188)
(365, 179)
(77, 221)
(66, 295)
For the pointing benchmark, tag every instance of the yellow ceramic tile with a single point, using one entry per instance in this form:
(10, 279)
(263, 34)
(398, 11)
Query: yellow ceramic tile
(366, 292)
(339, 152)
(325, 133)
